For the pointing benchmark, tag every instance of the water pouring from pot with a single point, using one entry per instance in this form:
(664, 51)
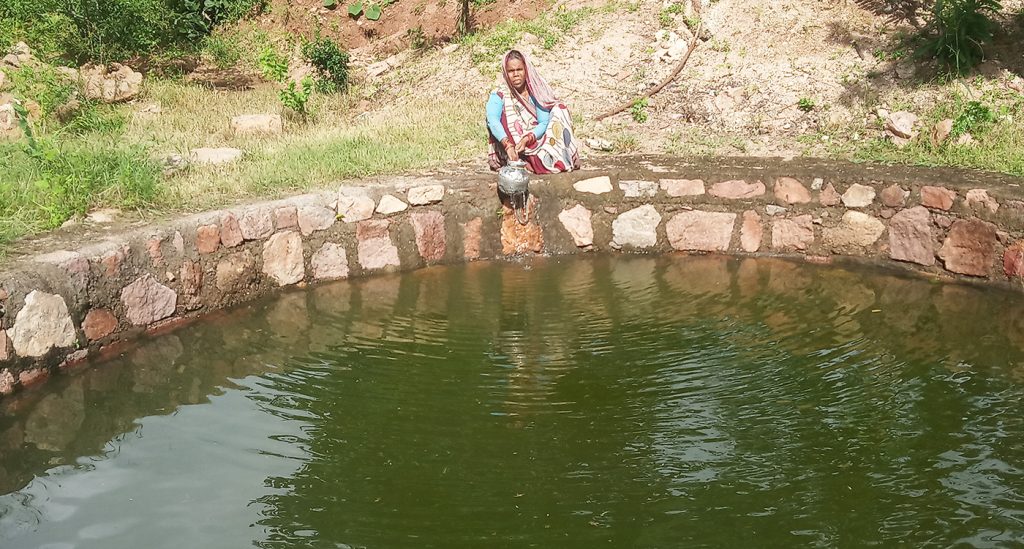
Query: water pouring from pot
(514, 183)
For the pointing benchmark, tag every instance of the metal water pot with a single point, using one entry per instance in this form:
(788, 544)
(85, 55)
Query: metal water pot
(514, 182)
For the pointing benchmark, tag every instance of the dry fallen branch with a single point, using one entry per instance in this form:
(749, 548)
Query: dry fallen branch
(675, 72)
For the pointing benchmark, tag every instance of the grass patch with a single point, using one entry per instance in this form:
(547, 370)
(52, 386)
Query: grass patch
(997, 131)
(414, 135)
(43, 187)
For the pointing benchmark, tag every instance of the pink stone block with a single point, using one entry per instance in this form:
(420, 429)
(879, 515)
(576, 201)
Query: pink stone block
(430, 234)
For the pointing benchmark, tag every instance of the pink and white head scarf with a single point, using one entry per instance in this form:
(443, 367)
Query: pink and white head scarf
(538, 88)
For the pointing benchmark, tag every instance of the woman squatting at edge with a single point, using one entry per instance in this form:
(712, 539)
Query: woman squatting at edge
(527, 122)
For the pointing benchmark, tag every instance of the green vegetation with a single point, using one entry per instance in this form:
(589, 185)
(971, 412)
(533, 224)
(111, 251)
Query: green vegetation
(79, 31)
(805, 104)
(974, 116)
(370, 11)
(996, 145)
(272, 65)
(958, 31)
(639, 110)
(330, 63)
(296, 96)
(50, 182)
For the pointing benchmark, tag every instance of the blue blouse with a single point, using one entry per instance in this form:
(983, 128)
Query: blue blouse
(495, 107)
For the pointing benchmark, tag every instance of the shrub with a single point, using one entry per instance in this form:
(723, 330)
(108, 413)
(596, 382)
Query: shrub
(974, 116)
(639, 110)
(958, 31)
(296, 97)
(330, 63)
(273, 66)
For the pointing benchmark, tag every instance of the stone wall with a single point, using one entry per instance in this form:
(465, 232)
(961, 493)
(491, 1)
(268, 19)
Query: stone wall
(92, 298)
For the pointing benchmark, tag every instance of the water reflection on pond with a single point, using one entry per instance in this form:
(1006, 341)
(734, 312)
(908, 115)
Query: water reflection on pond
(644, 401)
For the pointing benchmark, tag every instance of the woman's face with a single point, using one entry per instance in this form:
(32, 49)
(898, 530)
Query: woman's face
(516, 71)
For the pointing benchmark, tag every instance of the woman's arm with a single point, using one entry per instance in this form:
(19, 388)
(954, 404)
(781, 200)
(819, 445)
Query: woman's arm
(543, 119)
(495, 107)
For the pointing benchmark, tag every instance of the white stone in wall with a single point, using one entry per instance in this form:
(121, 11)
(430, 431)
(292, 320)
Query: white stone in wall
(42, 324)
(330, 262)
(858, 196)
(282, 258)
(576, 220)
(594, 185)
(637, 227)
(701, 231)
(353, 208)
(315, 218)
(390, 205)
(857, 230)
(426, 194)
(637, 189)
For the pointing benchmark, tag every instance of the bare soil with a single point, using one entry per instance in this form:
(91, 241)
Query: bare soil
(434, 21)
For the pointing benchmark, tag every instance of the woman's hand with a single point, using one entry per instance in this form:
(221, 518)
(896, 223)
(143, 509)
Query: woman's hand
(528, 140)
(511, 150)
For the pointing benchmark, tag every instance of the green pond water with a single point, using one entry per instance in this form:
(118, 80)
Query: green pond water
(581, 402)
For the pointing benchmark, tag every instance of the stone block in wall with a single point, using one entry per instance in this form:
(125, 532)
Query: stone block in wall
(682, 187)
(793, 234)
(98, 324)
(858, 196)
(425, 194)
(391, 205)
(910, 236)
(970, 247)
(517, 238)
(1013, 260)
(894, 196)
(282, 258)
(146, 301)
(315, 218)
(751, 232)
(700, 231)
(430, 234)
(6, 353)
(256, 223)
(191, 277)
(577, 220)
(790, 191)
(207, 238)
(637, 227)
(594, 185)
(330, 262)
(829, 196)
(638, 189)
(737, 189)
(471, 236)
(286, 217)
(856, 231)
(939, 198)
(230, 230)
(7, 382)
(375, 249)
(236, 272)
(156, 256)
(42, 324)
(354, 206)
(979, 199)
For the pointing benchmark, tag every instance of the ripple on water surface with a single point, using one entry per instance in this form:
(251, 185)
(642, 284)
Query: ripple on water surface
(630, 401)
